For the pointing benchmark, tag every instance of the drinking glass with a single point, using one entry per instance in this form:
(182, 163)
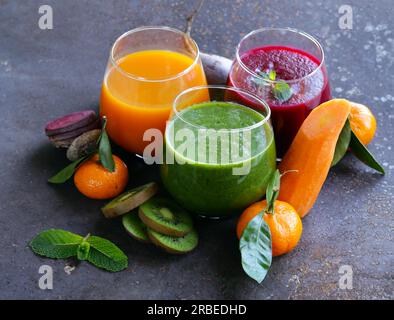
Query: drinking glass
(286, 68)
(219, 152)
(147, 68)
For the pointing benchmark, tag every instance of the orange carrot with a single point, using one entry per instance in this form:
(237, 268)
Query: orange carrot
(311, 154)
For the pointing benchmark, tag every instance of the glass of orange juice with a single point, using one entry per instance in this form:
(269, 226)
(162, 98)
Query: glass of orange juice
(147, 68)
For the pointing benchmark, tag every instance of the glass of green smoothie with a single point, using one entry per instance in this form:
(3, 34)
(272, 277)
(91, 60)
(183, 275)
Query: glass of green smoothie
(219, 153)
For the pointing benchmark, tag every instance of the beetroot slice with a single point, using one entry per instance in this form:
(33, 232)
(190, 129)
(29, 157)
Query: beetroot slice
(70, 122)
(216, 68)
(75, 132)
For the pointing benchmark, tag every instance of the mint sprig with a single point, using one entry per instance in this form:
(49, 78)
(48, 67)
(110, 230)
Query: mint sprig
(61, 244)
(280, 89)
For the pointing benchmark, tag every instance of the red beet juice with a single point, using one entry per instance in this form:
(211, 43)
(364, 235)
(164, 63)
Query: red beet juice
(302, 74)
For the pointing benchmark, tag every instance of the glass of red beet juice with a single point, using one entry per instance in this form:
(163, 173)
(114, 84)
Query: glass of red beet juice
(285, 67)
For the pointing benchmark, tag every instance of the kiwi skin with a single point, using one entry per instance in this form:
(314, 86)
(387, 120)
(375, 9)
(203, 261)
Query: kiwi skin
(144, 240)
(159, 228)
(136, 238)
(147, 191)
(162, 246)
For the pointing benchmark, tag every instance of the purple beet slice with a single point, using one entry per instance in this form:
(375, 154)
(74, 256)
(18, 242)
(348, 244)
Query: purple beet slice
(70, 122)
(75, 132)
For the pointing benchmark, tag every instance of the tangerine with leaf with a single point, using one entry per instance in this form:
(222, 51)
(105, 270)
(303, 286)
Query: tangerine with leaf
(95, 181)
(282, 219)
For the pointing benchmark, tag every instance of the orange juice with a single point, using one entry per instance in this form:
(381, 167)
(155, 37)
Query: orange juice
(139, 90)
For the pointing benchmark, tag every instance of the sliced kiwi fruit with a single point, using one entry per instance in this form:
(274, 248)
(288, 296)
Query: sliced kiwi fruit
(176, 245)
(165, 216)
(129, 200)
(135, 227)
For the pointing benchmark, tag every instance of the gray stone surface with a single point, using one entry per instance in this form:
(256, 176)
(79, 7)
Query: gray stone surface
(45, 74)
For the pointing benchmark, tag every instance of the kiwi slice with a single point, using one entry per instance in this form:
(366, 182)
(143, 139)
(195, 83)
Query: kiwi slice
(135, 227)
(176, 245)
(166, 217)
(129, 200)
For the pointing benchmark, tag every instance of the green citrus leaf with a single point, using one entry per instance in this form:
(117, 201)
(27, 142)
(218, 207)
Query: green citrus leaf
(363, 154)
(106, 255)
(56, 243)
(272, 192)
(66, 173)
(342, 143)
(256, 248)
(105, 152)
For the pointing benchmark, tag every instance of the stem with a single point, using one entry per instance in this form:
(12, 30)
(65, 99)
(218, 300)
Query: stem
(270, 209)
(273, 191)
(190, 18)
(104, 122)
(189, 24)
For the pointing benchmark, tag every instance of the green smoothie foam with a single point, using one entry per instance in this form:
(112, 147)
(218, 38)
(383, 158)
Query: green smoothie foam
(222, 178)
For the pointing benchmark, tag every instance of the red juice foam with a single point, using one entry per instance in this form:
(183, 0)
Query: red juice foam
(301, 71)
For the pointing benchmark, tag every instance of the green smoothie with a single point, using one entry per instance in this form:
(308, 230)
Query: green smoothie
(229, 158)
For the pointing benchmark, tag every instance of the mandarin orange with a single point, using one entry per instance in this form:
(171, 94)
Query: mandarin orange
(96, 182)
(362, 122)
(285, 225)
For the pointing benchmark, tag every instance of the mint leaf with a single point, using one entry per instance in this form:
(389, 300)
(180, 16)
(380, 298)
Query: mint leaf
(56, 243)
(105, 152)
(66, 173)
(282, 91)
(106, 255)
(265, 76)
(256, 248)
(272, 75)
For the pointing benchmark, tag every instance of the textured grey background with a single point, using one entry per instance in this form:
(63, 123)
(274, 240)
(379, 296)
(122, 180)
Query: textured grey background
(45, 74)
